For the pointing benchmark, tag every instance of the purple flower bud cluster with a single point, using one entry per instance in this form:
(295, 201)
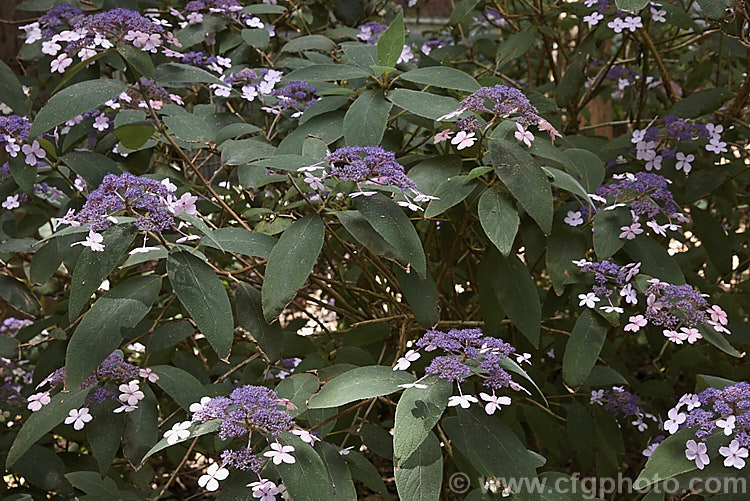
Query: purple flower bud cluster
(113, 369)
(468, 349)
(146, 199)
(11, 325)
(647, 194)
(468, 124)
(144, 92)
(608, 275)
(369, 163)
(296, 96)
(671, 306)
(13, 129)
(247, 409)
(207, 62)
(220, 7)
(50, 192)
(504, 102)
(59, 15)
(370, 32)
(117, 26)
(619, 402)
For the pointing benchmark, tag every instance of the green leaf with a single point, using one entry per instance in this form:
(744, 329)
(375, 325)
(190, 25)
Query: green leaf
(583, 348)
(94, 485)
(92, 268)
(134, 135)
(23, 174)
(290, 263)
(422, 296)
(713, 238)
(189, 127)
(420, 477)
(565, 181)
(462, 10)
(391, 42)
(365, 234)
(491, 446)
(366, 119)
(8, 347)
(450, 193)
(307, 478)
(16, 294)
(366, 473)
(423, 104)
(607, 224)
(499, 219)
(517, 294)
(169, 334)
(42, 421)
(358, 384)
(119, 310)
(443, 77)
(585, 166)
(202, 294)
(90, 165)
(391, 223)
(701, 102)
(142, 428)
(326, 72)
(309, 42)
(240, 241)
(258, 37)
(137, 58)
(73, 101)
(297, 388)
(40, 467)
(655, 260)
(718, 339)
(631, 5)
(668, 460)
(196, 430)
(242, 151)
(249, 310)
(338, 472)
(514, 47)
(714, 9)
(525, 180)
(570, 84)
(417, 412)
(104, 432)
(11, 92)
(563, 246)
(182, 75)
(182, 386)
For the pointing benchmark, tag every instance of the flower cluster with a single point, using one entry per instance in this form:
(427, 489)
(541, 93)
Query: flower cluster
(295, 97)
(467, 352)
(679, 309)
(654, 144)
(249, 83)
(151, 202)
(57, 18)
(195, 10)
(113, 372)
(645, 194)
(621, 403)
(502, 102)
(622, 21)
(248, 409)
(14, 132)
(201, 60)
(11, 325)
(712, 409)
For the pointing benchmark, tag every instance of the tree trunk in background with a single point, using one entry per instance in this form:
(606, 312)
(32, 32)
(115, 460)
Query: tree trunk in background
(10, 43)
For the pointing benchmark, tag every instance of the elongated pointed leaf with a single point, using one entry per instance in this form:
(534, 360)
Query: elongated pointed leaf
(420, 477)
(366, 119)
(358, 384)
(498, 218)
(249, 310)
(338, 472)
(417, 412)
(101, 330)
(201, 293)
(444, 77)
(583, 347)
(391, 42)
(525, 180)
(182, 386)
(290, 263)
(307, 478)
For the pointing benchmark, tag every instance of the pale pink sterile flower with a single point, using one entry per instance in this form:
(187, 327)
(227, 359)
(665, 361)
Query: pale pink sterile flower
(178, 432)
(632, 231)
(463, 400)
(635, 323)
(60, 64)
(573, 218)
(734, 455)
(684, 162)
(38, 400)
(305, 436)
(494, 403)
(523, 135)
(697, 451)
(280, 454)
(131, 393)
(78, 418)
(464, 140)
(676, 418)
(443, 135)
(93, 241)
(404, 362)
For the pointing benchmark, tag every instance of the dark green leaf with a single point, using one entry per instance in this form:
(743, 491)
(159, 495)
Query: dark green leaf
(16, 294)
(94, 485)
(242, 151)
(391, 42)
(104, 432)
(583, 348)
(189, 127)
(607, 224)
(338, 472)
(631, 5)
(326, 72)
(309, 42)
(240, 241)
(450, 193)
(11, 92)
(713, 238)
(180, 385)
(307, 478)
(366, 119)
(358, 384)
(420, 477)
(90, 165)
(499, 218)
(417, 412)
(297, 388)
(423, 104)
(443, 77)
(701, 102)
(249, 310)
(181, 75)
(422, 296)
(655, 260)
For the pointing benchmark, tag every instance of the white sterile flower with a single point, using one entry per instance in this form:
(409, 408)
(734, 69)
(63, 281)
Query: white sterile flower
(131, 392)
(264, 490)
(214, 474)
(33, 152)
(125, 408)
(406, 55)
(632, 231)
(413, 385)
(345, 451)
(691, 334)
(266, 87)
(186, 204)
(526, 357)
(60, 64)
(657, 15)
(101, 123)
(654, 163)
(696, 451)
(675, 336)
(51, 47)
(658, 228)
(197, 406)
(463, 400)
(11, 202)
(143, 250)
(523, 135)
(305, 436)
(611, 309)
(633, 23)
(640, 424)
(78, 418)
(494, 403)
(362, 194)
(728, 424)
(280, 454)
(573, 218)
(690, 400)
(717, 314)
(409, 205)
(450, 115)
(635, 323)
(38, 400)
(617, 25)
(249, 92)
(676, 418)
(194, 17)
(254, 22)
(684, 162)
(649, 450)
(404, 362)
(589, 300)
(734, 455)
(187, 238)
(93, 241)
(33, 32)
(315, 182)
(629, 294)
(638, 136)
(597, 397)
(551, 353)
(443, 135)
(178, 432)
(593, 18)
(464, 140)
(715, 130)
(221, 90)
(717, 146)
